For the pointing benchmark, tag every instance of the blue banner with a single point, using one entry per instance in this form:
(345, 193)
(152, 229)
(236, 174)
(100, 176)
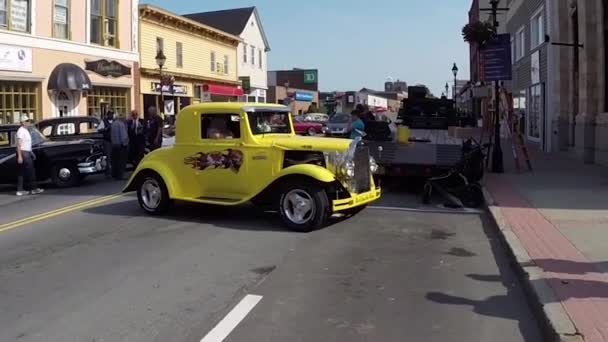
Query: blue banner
(497, 59)
(305, 97)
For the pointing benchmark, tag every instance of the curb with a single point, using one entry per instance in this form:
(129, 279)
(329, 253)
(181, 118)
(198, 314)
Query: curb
(552, 316)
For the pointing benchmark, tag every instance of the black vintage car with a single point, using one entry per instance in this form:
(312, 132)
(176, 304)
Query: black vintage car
(70, 128)
(65, 163)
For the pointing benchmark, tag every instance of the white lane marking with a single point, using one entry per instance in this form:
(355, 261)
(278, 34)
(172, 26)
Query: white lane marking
(466, 211)
(234, 317)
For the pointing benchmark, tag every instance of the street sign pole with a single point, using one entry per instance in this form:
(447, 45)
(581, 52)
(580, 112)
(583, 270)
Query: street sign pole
(497, 155)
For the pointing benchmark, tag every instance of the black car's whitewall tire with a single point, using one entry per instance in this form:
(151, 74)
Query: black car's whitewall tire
(304, 206)
(152, 194)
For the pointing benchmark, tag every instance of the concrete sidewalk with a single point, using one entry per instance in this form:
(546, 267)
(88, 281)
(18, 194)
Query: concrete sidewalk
(555, 219)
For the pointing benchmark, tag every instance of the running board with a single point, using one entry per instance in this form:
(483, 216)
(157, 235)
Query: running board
(219, 200)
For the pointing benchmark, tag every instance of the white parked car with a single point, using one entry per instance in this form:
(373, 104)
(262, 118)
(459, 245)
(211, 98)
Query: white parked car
(316, 117)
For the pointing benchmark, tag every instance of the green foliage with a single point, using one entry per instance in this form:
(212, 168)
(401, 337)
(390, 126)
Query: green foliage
(478, 32)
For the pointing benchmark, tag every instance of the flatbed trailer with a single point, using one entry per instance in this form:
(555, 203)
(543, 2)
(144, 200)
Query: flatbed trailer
(430, 153)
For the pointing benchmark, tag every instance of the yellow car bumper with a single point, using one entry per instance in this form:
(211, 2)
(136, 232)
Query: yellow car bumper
(356, 200)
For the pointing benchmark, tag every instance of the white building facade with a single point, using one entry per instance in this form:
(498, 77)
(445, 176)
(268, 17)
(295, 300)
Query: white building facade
(252, 52)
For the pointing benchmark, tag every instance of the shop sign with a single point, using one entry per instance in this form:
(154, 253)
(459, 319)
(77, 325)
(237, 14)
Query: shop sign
(15, 58)
(169, 107)
(206, 97)
(310, 77)
(106, 68)
(172, 89)
(305, 97)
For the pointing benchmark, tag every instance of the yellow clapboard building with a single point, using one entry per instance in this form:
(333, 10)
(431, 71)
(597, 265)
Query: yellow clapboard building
(183, 61)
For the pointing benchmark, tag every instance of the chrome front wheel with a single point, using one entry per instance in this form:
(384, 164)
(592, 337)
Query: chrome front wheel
(298, 206)
(304, 205)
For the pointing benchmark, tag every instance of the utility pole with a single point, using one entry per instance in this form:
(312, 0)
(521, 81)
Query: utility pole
(497, 155)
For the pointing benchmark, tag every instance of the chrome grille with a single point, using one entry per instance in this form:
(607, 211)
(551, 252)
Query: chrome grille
(362, 173)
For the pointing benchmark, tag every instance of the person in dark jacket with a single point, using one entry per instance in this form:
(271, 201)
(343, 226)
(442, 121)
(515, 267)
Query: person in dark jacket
(137, 138)
(120, 146)
(105, 127)
(154, 127)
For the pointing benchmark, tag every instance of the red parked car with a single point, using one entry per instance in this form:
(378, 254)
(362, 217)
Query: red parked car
(304, 127)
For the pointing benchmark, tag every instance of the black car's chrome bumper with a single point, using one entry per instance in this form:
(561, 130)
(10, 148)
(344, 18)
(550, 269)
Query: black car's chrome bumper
(93, 166)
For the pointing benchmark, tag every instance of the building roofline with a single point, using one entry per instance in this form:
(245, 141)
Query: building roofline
(154, 9)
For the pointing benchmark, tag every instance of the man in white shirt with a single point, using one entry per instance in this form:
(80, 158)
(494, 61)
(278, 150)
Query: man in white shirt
(26, 170)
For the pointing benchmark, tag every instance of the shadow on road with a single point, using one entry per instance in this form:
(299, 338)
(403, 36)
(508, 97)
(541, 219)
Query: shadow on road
(501, 306)
(245, 217)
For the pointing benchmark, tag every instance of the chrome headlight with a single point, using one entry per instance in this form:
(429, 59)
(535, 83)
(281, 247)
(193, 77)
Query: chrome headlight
(348, 169)
(373, 166)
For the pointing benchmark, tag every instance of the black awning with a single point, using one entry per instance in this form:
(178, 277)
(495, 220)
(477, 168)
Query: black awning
(68, 76)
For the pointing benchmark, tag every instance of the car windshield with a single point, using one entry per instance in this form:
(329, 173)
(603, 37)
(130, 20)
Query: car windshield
(37, 137)
(339, 118)
(269, 122)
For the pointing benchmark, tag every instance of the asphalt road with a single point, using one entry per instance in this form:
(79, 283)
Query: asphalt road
(110, 273)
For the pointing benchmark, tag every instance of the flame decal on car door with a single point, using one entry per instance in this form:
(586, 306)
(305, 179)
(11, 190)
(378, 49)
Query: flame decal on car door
(225, 160)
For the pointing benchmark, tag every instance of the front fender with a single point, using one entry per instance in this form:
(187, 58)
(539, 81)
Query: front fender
(153, 166)
(314, 171)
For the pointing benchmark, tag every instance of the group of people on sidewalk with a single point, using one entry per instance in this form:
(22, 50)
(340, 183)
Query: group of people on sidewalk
(127, 139)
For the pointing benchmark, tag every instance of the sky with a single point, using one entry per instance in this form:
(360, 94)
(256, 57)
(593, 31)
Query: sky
(358, 43)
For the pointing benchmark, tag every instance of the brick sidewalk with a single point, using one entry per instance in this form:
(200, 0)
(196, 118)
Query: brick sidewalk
(578, 284)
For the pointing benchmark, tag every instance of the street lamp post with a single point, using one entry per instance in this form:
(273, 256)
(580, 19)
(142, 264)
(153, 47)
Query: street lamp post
(160, 61)
(455, 72)
(447, 90)
(497, 156)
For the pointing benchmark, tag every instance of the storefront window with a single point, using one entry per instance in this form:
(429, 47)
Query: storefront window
(519, 109)
(104, 22)
(535, 113)
(60, 19)
(16, 99)
(15, 15)
(102, 99)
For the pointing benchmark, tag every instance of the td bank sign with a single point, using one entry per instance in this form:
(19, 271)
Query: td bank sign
(311, 76)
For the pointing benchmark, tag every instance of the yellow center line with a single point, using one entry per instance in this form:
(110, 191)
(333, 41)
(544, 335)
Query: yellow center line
(57, 212)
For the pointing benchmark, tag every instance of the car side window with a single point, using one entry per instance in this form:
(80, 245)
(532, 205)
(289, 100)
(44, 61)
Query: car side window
(87, 127)
(221, 126)
(66, 129)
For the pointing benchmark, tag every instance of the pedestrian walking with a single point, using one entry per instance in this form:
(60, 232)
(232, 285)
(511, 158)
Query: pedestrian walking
(154, 127)
(26, 170)
(120, 146)
(137, 138)
(105, 127)
(357, 126)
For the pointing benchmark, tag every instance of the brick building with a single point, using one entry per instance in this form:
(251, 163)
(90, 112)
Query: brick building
(297, 88)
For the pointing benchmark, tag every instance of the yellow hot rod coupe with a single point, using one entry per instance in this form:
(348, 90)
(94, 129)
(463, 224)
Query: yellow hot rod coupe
(233, 153)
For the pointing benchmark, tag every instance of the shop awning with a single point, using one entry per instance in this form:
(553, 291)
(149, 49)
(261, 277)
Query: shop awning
(68, 76)
(219, 89)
